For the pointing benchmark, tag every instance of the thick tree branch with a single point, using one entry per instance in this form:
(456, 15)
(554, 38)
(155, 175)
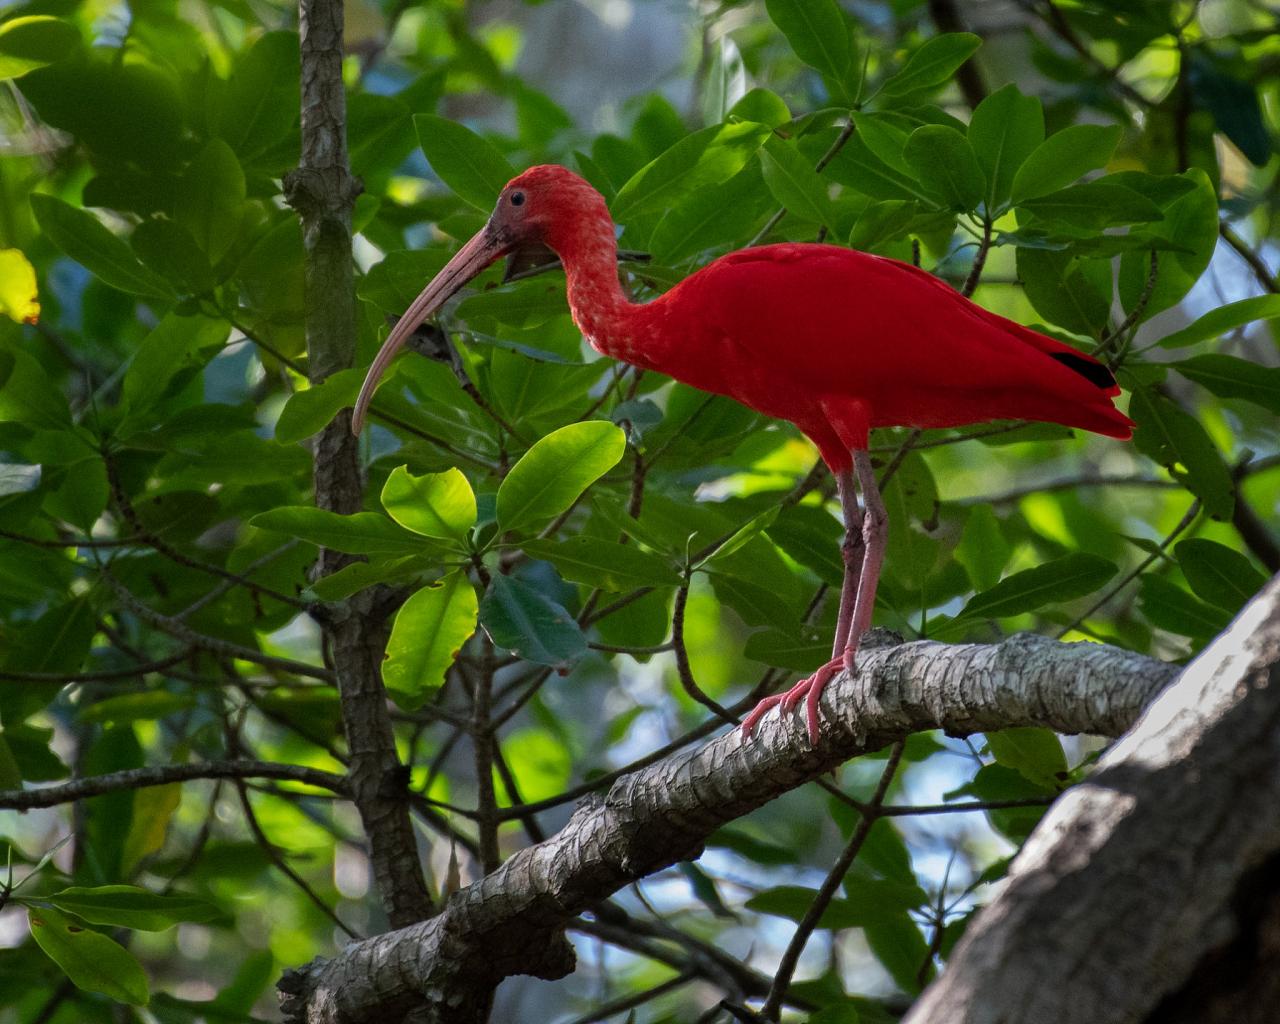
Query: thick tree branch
(163, 775)
(513, 920)
(1134, 884)
(323, 192)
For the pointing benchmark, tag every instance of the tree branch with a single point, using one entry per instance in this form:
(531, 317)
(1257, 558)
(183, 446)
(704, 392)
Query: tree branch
(513, 920)
(163, 775)
(1149, 869)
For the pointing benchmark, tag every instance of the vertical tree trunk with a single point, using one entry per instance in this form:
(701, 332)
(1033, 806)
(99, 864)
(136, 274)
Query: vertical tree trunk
(323, 192)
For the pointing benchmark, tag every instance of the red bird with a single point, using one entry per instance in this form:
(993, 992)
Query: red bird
(834, 340)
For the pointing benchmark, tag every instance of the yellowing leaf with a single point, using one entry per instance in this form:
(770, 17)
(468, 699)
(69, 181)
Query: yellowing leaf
(18, 288)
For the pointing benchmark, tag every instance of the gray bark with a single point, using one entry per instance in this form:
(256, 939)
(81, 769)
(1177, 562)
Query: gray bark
(512, 921)
(323, 192)
(1151, 892)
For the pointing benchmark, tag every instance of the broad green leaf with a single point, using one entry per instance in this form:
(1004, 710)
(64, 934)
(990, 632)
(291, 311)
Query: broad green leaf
(1232, 377)
(439, 505)
(1175, 439)
(983, 549)
(172, 251)
(1005, 129)
(1064, 157)
(1092, 206)
(34, 41)
(1191, 222)
(471, 166)
(997, 782)
(350, 579)
(552, 474)
(898, 945)
(1062, 579)
(1220, 320)
(746, 533)
(761, 106)
(57, 641)
(596, 562)
(1218, 574)
(173, 345)
(933, 64)
(1070, 292)
(712, 216)
(131, 907)
(886, 136)
(364, 533)
(427, 636)
(1034, 753)
(91, 960)
(861, 170)
(817, 30)
(210, 200)
(793, 181)
(705, 158)
(1168, 606)
(529, 625)
(18, 297)
(87, 241)
(153, 808)
(945, 164)
(258, 112)
(309, 411)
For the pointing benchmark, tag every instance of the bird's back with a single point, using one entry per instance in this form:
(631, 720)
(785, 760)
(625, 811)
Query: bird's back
(779, 326)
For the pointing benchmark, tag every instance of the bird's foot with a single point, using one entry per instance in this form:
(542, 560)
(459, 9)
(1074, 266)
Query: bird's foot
(808, 689)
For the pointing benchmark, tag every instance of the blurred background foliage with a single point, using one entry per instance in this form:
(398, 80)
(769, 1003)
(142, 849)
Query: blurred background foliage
(155, 476)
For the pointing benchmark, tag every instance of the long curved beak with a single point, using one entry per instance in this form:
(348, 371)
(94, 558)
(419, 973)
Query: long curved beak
(485, 247)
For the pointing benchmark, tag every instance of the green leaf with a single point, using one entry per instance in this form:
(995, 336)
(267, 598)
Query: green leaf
(817, 30)
(18, 295)
(712, 216)
(1233, 104)
(552, 474)
(364, 533)
(1190, 222)
(130, 907)
(861, 170)
(1232, 377)
(426, 638)
(1168, 606)
(1092, 206)
(1005, 129)
(1220, 320)
(136, 707)
(1036, 754)
(1218, 574)
(33, 42)
(173, 345)
(439, 505)
(705, 158)
(983, 549)
(471, 166)
(92, 961)
(898, 945)
(529, 625)
(1062, 579)
(310, 411)
(351, 579)
(1070, 292)
(258, 112)
(1175, 439)
(946, 165)
(793, 181)
(933, 64)
(87, 241)
(746, 533)
(210, 199)
(761, 106)
(596, 562)
(1064, 157)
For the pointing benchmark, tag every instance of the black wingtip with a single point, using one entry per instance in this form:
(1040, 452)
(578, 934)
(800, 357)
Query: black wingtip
(1094, 372)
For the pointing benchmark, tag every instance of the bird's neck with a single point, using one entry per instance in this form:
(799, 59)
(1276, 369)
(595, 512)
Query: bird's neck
(609, 321)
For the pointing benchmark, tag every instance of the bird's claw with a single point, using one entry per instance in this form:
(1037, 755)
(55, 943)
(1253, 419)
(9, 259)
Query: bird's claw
(808, 689)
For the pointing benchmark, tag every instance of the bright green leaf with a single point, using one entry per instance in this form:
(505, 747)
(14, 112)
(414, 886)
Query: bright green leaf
(128, 906)
(471, 166)
(18, 297)
(552, 474)
(1221, 319)
(1005, 129)
(817, 30)
(426, 638)
(439, 505)
(1062, 579)
(34, 41)
(1063, 158)
(210, 200)
(793, 181)
(364, 533)
(1232, 377)
(933, 64)
(1035, 753)
(945, 164)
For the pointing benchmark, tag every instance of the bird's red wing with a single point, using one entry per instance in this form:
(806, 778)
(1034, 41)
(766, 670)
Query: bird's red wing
(816, 320)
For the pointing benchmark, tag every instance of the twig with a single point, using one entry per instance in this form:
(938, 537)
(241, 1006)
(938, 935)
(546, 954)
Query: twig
(787, 966)
(979, 259)
(687, 681)
(630, 1002)
(1260, 270)
(163, 775)
(106, 675)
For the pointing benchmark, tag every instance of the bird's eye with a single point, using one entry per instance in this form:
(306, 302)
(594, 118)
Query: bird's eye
(517, 199)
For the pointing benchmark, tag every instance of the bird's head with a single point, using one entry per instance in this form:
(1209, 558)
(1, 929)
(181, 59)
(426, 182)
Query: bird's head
(545, 207)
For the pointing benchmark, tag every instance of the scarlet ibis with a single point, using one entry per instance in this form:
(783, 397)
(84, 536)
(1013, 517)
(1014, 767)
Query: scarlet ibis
(834, 340)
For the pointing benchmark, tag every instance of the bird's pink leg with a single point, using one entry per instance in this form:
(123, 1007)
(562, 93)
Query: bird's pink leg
(852, 551)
